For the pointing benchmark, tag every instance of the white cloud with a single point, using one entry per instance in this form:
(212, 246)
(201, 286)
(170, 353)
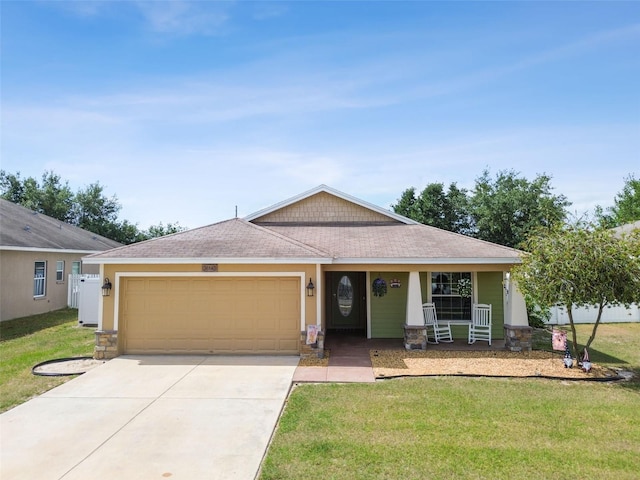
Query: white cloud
(184, 17)
(267, 10)
(81, 8)
(176, 17)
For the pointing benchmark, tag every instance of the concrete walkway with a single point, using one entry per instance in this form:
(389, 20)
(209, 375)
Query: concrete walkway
(349, 361)
(148, 417)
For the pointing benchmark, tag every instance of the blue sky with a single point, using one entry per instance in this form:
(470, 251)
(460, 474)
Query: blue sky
(186, 109)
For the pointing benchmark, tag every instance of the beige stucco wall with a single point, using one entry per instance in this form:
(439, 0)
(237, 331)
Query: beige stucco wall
(16, 282)
(323, 207)
(110, 271)
(311, 305)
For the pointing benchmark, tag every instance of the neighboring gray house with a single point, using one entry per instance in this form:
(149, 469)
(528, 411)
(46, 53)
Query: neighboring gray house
(37, 252)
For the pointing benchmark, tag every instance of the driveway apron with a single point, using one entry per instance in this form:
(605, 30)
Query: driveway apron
(150, 417)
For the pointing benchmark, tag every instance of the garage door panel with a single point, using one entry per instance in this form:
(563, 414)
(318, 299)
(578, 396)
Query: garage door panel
(211, 315)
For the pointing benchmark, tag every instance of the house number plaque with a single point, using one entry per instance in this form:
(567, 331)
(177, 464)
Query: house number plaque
(209, 267)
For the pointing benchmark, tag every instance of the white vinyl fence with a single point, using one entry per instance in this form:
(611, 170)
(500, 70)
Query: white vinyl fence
(74, 288)
(620, 314)
(84, 294)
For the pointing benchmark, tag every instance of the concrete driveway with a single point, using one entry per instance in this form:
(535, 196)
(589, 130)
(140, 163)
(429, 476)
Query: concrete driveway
(150, 417)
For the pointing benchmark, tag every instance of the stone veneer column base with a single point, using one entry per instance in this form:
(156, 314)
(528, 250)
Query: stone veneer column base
(106, 345)
(415, 337)
(315, 350)
(518, 338)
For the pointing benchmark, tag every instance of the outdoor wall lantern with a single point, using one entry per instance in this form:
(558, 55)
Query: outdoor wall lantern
(106, 287)
(310, 288)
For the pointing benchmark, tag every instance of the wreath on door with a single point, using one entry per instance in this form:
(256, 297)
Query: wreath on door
(379, 287)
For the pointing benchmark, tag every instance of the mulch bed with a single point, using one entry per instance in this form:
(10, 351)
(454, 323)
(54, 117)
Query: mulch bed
(316, 362)
(496, 363)
(503, 363)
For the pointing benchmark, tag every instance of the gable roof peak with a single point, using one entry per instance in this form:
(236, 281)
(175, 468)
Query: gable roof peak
(333, 192)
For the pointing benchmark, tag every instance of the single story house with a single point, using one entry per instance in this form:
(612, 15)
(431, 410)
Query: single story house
(37, 253)
(322, 261)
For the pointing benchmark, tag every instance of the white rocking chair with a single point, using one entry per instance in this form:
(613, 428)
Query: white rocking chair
(480, 328)
(441, 331)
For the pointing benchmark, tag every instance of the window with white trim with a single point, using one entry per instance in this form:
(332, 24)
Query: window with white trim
(60, 271)
(39, 279)
(76, 268)
(451, 293)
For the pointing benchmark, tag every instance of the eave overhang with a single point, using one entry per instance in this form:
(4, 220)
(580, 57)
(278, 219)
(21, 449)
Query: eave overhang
(309, 261)
(194, 260)
(49, 250)
(428, 261)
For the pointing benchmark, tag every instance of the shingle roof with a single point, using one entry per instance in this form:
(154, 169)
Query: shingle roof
(231, 239)
(24, 228)
(240, 240)
(397, 242)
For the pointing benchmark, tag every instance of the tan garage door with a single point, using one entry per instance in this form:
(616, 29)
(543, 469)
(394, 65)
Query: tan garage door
(210, 315)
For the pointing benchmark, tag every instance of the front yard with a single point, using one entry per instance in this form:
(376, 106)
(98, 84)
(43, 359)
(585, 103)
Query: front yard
(24, 342)
(447, 427)
(411, 428)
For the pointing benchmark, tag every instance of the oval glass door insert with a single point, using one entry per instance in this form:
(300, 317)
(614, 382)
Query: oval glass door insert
(345, 296)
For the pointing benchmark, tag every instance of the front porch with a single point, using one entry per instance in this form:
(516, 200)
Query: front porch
(351, 305)
(349, 357)
(344, 345)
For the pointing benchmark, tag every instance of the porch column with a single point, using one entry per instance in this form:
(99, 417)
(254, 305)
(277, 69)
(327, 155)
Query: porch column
(415, 334)
(517, 332)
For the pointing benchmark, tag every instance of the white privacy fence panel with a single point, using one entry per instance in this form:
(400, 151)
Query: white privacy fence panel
(89, 294)
(619, 314)
(73, 290)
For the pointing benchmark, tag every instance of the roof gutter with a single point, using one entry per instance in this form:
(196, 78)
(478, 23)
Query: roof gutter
(307, 260)
(430, 261)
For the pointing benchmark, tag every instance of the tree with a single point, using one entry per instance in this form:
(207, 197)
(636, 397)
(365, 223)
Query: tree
(55, 198)
(459, 213)
(447, 210)
(162, 230)
(12, 187)
(506, 209)
(89, 208)
(95, 212)
(577, 266)
(123, 232)
(626, 208)
(52, 198)
(407, 205)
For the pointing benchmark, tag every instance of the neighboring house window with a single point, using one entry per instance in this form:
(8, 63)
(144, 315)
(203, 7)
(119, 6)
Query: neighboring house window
(39, 279)
(75, 268)
(451, 295)
(60, 271)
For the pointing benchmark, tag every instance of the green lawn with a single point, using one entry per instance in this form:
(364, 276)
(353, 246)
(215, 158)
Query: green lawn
(25, 342)
(617, 345)
(448, 427)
